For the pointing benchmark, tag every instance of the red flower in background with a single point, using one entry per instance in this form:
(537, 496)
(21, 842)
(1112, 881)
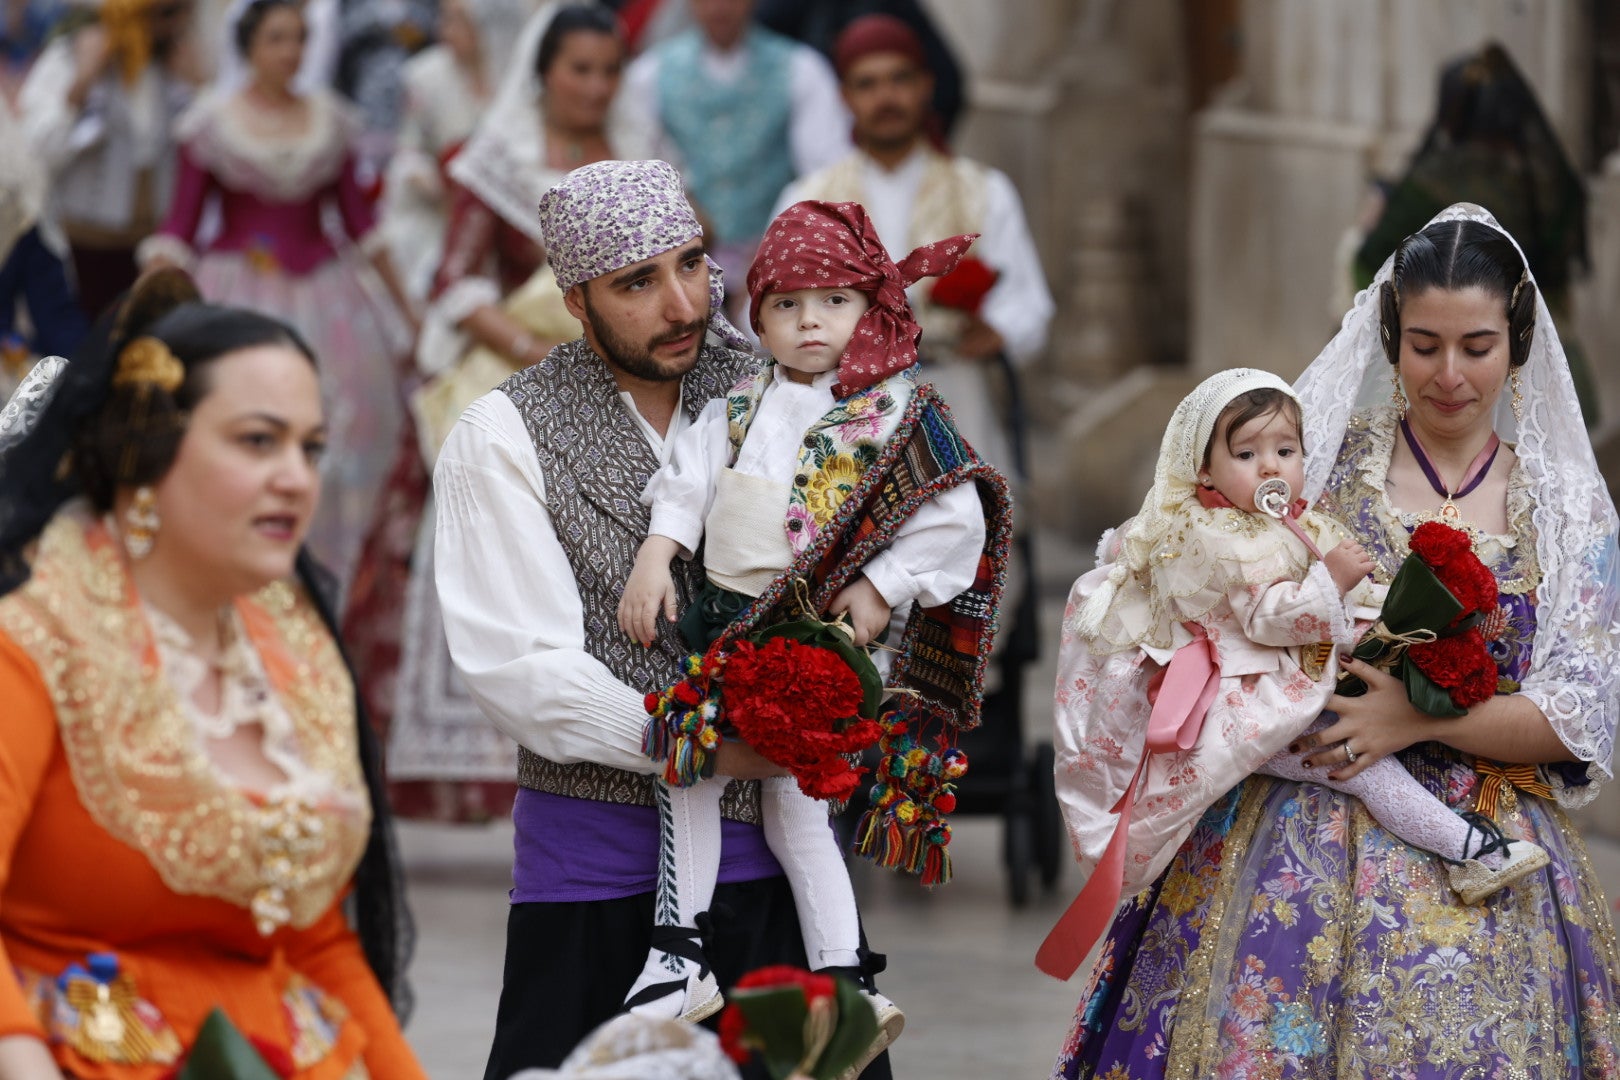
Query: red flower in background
(734, 1025)
(964, 288)
(277, 1057)
(733, 1028)
(771, 1010)
(814, 986)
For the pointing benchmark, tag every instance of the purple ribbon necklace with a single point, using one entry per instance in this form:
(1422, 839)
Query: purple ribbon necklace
(1471, 479)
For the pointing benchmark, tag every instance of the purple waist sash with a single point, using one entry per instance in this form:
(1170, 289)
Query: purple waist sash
(578, 849)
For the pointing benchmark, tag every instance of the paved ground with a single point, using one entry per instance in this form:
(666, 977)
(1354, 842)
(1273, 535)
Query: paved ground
(959, 959)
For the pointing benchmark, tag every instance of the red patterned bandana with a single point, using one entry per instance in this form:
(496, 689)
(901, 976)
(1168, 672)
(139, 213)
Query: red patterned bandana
(823, 245)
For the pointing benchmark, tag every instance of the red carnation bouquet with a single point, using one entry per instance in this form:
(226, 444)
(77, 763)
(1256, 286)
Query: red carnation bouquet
(803, 1026)
(1431, 633)
(799, 692)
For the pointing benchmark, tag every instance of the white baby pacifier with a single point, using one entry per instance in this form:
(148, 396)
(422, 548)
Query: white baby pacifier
(1274, 497)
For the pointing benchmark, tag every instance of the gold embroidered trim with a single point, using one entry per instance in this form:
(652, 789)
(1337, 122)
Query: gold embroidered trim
(1593, 909)
(135, 757)
(1195, 1048)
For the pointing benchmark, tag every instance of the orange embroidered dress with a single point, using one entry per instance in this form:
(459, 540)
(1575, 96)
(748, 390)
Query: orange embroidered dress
(138, 888)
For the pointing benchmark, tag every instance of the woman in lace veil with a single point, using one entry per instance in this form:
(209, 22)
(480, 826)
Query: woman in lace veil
(448, 87)
(494, 308)
(1341, 952)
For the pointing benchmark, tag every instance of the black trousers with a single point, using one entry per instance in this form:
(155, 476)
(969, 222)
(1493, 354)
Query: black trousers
(569, 966)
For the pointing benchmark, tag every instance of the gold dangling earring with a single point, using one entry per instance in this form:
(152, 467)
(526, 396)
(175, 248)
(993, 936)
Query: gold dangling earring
(1399, 396)
(143, 523)
(1517, 402)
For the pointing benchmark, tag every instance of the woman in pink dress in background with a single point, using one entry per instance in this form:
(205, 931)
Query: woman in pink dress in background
(279, 166)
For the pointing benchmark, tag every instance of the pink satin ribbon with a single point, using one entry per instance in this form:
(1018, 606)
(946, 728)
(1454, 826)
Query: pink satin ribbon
(1181, 695)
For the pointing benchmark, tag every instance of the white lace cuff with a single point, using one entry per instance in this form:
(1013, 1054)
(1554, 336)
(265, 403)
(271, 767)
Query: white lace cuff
(165, 246)
(465, 297)
(1340, 621)
(1572, 796)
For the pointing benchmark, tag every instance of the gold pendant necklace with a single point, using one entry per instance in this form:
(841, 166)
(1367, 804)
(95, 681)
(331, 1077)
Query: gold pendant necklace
(1447, 513)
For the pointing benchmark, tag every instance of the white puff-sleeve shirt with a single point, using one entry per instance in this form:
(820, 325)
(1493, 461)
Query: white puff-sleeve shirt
(512, 611)
(933, 557)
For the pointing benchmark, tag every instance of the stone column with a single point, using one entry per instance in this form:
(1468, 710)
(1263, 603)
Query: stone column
(1333, 92)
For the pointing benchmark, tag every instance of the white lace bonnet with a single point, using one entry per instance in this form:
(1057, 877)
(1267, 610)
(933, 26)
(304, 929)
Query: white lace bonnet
(1181, 453)
(504, 160)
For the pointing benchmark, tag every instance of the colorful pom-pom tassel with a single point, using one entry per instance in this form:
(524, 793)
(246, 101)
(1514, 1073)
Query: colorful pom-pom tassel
(905, 826)
(683, 731)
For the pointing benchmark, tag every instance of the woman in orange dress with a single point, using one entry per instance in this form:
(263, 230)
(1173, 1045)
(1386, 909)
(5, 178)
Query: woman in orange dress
(187, 797)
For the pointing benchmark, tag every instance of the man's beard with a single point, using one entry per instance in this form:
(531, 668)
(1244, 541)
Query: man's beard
(638, 360)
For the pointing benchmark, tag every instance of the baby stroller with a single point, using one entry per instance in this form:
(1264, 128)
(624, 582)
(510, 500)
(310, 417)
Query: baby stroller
(1010, 777)
(1007, 775)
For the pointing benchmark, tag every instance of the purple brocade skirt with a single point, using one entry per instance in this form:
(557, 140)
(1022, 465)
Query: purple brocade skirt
(1293, 937)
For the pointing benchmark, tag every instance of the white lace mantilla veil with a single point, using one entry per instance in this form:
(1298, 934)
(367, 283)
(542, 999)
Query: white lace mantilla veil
(1117, 616)
(504, 161)
(1574, 675)
(500, 26)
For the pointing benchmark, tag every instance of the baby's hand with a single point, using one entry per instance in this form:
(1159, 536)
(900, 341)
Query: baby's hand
(868, 612)
(1348, 564)
(649, 591)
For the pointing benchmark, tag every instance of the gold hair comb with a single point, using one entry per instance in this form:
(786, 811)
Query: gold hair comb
(147, 361)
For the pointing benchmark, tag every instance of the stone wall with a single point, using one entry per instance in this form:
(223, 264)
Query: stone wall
(1334, 92)
(1084, 104)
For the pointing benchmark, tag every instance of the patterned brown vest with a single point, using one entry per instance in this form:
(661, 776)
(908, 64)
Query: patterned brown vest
(596, 462)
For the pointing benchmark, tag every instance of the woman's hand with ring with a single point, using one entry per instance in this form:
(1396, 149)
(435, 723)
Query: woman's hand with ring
(1375, 725)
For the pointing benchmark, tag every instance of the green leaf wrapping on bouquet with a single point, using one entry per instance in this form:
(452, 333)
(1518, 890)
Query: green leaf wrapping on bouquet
(1426, 695)
(776, 1016)
(777, 1020)
(1416, 601)
(815, 632)
(222, 1053)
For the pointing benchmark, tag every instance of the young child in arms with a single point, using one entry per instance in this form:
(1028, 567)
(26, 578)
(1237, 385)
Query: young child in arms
(758, 480)
(1205, 552)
